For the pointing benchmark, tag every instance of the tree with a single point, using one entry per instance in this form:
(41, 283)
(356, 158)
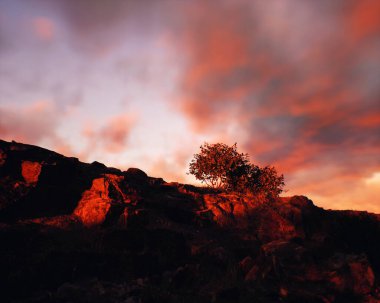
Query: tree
(222, 167)
(219, 165)
(264, 181)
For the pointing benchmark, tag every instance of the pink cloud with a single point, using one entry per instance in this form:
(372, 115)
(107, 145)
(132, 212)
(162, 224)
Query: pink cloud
(115, 134)
(36, 123)
(44, 28)
(31, 123)
(112, 137)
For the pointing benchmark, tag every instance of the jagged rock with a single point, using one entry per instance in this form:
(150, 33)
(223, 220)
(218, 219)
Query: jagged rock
(96, 203)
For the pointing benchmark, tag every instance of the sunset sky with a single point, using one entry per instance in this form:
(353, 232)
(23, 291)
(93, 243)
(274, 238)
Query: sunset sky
(144, 83)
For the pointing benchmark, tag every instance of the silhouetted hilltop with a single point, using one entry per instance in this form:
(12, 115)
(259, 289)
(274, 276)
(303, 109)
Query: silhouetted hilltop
(78, 232)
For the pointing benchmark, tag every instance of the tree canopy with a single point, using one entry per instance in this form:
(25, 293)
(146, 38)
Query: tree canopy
(222, 167)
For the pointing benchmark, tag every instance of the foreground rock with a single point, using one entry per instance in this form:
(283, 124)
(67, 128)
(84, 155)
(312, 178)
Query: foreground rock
(78, 232)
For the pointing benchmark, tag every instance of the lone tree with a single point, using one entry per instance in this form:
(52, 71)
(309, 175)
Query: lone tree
(222, 167)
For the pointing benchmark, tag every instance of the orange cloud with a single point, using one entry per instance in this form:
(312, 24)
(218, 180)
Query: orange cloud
(371, 120)
(364, 19)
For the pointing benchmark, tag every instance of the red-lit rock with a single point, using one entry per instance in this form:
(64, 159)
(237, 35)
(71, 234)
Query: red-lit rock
(96, 202)
(30, 171)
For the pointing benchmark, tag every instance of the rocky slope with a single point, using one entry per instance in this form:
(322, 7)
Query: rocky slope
(78, 232)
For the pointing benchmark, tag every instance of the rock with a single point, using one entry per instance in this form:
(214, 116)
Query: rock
(219, 254)
(253, 273)
(3, 157)
(283, 292)
(246, 264)
(351, 273)
(68, 291)
(96, 203)
(231, 294)
(30, 171)
(362, 275)
(99, 165)
(183, 277)
(136, 173)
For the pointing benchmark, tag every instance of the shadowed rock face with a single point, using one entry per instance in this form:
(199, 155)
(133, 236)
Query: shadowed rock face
(78, 232)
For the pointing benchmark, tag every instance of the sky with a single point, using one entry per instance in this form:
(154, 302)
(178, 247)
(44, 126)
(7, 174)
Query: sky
(144, 83)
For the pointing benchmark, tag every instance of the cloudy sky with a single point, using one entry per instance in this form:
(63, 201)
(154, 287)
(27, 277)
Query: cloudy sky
(144, 83)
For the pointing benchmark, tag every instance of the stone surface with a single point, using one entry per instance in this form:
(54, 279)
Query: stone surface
(96, 202)
(30, 171)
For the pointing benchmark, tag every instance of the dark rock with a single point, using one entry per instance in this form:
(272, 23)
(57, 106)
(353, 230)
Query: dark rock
(231, 294)
(98, 165)
(135, 173)
(246, 264)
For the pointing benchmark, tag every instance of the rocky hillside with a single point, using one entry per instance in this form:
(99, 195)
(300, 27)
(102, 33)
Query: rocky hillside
(78, 232)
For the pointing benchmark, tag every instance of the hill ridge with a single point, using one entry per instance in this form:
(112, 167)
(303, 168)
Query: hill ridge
(142, 239)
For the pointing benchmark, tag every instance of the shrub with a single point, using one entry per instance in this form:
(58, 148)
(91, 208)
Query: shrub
(222, 167)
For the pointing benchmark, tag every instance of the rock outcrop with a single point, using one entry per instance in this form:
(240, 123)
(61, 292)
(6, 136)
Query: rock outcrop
(30, 171)
(78, 232)
(97, 202)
